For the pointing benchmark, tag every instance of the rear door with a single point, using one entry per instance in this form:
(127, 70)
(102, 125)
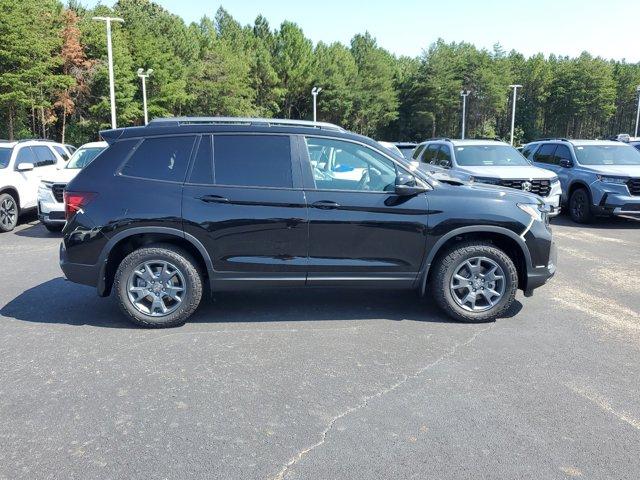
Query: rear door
(244, 202)
(360, 231)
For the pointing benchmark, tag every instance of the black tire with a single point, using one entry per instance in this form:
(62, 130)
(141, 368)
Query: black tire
(9, 212)
(580, 206)
(447, 264)
(161, 253)
(53, 227)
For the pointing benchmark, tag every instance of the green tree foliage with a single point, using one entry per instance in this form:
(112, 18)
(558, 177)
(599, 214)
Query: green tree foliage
(54, 78)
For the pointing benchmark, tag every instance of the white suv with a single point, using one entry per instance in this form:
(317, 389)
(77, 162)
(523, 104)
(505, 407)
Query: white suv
(22, 165)
(489, 161)
(50, 192)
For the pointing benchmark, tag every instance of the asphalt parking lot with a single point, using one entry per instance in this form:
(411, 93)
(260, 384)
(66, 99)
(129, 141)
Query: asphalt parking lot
(324, 384)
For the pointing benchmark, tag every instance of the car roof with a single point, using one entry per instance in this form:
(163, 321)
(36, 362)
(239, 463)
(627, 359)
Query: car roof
(579, 142)
(200, 125)
(459, 142)
(95, 144)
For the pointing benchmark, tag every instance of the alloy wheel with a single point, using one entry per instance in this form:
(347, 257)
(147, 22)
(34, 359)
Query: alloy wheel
(478, 284)
(8, 212)
(156, 288)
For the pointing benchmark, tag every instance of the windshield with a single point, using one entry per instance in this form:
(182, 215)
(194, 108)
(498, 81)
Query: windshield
(5, 156)
(607, 155)
(83, 157)
(489, 156)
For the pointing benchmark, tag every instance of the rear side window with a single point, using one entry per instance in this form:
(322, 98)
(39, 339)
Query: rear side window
(44, 155)
(161, 158)
(62, 152)
(252, 160)
(545, 153)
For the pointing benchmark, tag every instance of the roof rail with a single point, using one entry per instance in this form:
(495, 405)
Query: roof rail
(265, 122)
(560, 139)
(444, 139)
(495, 139)
(35, 140)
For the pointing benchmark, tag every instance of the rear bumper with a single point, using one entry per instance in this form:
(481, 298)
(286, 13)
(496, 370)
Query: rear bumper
(78, 272)
(539, 275)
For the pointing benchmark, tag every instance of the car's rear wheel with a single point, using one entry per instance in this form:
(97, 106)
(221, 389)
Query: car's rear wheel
(8, 212)
(158, 286)
(474, 282)
(580, 206)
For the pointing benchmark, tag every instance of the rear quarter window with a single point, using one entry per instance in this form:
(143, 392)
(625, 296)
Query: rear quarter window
(160, 158)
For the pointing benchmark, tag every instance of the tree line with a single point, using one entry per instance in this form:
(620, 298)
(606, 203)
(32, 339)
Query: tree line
(54, 78)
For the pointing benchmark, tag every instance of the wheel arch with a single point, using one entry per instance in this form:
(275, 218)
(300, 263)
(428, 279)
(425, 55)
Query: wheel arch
(511, 243)
(124, 242)
(576, 184)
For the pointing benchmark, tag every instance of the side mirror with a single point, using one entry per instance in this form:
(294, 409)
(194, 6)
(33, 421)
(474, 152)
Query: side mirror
(24, 167)
(406, 185)
(564, 163)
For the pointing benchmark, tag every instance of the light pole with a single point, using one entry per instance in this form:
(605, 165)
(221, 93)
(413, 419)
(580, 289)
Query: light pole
(112, 92)
(513, 108)
(464, 94)
(143, 76)
(315, 91)
(638, 112)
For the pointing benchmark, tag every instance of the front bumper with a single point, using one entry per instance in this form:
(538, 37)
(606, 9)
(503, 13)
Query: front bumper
(553, 201)
(538, 276)
(614, 200)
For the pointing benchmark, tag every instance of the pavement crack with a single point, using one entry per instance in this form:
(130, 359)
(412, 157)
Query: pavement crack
(365, 401)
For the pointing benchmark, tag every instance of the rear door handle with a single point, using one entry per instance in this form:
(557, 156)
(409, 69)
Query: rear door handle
(325, 204)
(214, 199)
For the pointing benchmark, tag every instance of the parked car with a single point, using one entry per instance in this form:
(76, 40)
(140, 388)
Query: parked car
(492, 162)
(226, 204)
(635, 142)
(406, 148)
(50, 193)
(598, 177)
(392, 147)
(22, 164)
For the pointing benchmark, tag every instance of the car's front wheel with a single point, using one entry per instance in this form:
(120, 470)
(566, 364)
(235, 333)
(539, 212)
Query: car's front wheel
(580, 206)
(474, 282)
(158, 286)
(8, 212)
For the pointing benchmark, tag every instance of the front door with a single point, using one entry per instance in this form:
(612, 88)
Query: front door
(360, 231)
(244, 202)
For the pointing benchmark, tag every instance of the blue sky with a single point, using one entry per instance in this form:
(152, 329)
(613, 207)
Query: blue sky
(609, 29)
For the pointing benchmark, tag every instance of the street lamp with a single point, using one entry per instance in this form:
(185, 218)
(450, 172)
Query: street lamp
(638, 112)
(464, 94)
(513, 109)
(112, 93)
(143, 76)
(315, 91)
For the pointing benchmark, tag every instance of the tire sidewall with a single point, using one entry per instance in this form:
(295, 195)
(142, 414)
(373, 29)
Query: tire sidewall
(186, 266)
(585, 217)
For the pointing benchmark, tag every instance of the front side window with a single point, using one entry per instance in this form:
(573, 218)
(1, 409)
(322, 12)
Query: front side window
(562, 153)
(431, 154)
(607, 155)
(5, 157)
(26, 155)
(83, 157)
(417, 151)
(444, 157)
(340, 165)
(160, 158)
(545, 153)
(252, 160)
(44, 155)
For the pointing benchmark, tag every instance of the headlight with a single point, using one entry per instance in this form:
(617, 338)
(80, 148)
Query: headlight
(555, 181)
(491, 181)
(45, 186)
(614, 180)
(535, 211)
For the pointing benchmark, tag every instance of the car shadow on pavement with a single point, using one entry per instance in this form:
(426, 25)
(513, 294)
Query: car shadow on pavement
(615, 223)
(36, 230)
(60, 302)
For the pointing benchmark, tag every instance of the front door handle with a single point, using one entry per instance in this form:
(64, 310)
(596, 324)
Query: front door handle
(214, 199)
(325, 204)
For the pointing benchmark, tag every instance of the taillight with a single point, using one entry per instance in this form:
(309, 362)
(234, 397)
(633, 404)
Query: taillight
(75, 201)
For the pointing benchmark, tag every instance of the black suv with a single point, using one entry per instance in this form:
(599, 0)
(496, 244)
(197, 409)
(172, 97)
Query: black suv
(234, 204)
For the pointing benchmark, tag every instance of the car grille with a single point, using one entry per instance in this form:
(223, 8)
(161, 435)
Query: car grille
(539, 187)
(634, 186)
(58, 190)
